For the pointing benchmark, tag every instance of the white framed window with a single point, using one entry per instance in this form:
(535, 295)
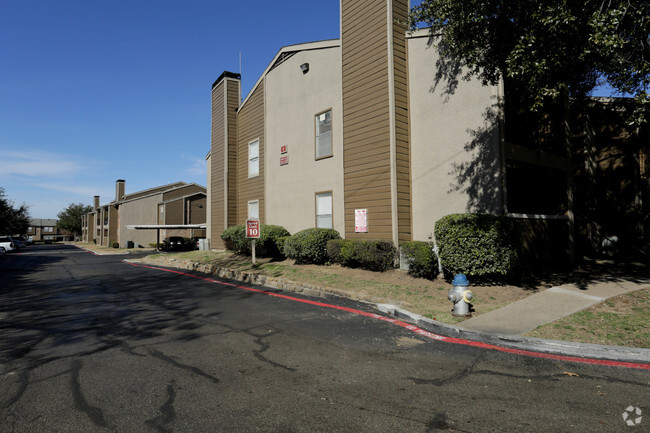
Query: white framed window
(48, 229)
(324, 210)
(254, 209)
(324, 134)
(254, 158)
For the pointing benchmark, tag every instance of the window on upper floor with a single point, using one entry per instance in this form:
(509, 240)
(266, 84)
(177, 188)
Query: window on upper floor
(48, 229)
(324, 134)
(254, 158)
(324, 210)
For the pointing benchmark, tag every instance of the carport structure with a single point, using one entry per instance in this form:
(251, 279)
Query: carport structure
(159, 227)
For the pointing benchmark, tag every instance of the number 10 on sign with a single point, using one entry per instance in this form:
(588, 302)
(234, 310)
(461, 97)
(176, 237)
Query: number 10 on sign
(253, 231)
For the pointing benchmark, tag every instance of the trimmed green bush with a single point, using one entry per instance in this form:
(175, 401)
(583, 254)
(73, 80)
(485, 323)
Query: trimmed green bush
(422, 261)
(310, 245)
(478, 245)
(279, 243)
(372, 255)
(115, 244)
(266, 246)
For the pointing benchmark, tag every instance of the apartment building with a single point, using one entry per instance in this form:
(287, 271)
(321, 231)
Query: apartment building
(359, 134)
(44, 229)
(174, 204)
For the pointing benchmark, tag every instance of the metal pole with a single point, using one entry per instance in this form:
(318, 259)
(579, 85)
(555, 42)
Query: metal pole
(253, 250)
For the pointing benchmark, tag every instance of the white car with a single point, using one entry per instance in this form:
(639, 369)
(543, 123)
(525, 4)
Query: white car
(7, 244)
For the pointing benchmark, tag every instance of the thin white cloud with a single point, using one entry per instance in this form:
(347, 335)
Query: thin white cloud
(198, 166)
(36, 163)
(81, 190)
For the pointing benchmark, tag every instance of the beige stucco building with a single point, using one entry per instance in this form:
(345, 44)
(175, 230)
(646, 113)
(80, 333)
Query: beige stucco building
(362, 135)
(176, 204)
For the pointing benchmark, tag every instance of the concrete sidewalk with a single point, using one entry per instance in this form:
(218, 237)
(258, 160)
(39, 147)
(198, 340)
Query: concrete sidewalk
(550, 305)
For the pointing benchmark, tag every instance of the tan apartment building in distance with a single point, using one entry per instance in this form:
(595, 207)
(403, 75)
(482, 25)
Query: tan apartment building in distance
(44, 229)
(359, 134)
(177, 203)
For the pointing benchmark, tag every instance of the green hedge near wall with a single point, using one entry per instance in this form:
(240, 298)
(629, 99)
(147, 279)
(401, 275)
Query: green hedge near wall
(266, 246)
(481, 246)
(422, 261)
(371, 255)
(310, 246)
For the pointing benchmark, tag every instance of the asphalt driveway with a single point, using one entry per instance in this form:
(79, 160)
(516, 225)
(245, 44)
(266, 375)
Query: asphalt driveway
(91, 343)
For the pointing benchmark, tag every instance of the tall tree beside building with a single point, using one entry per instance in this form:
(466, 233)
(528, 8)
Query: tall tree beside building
(70, 218)
(13, 221)
(552, 49)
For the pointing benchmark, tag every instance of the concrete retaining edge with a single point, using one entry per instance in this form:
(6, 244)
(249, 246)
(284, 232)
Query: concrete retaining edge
(393, 308)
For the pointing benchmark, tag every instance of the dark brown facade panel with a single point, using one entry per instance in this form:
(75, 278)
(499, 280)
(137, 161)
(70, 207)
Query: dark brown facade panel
(217, 153)
(358, 37)
(367, 95)
(355, 70)
(365, 157)
(251, 127)
(359, 46)
(371, 195)
(366, 132)
(352, 11)
(368, 164)
(373, 130)
(368, 77)
(361, 116)
(371, 176)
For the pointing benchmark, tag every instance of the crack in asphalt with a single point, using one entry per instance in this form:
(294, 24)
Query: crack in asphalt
(94, 413)
(167, 412)
(177, 364)
(24, 383)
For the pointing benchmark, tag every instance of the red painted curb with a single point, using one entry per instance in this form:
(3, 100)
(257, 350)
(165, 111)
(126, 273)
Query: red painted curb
(416, 329)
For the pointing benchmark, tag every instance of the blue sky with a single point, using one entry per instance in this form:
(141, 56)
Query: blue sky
(92, 91)
(95, 91)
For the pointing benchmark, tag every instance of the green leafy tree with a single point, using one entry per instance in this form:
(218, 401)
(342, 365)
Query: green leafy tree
(554, 50)
(70, 218)
(13, 221)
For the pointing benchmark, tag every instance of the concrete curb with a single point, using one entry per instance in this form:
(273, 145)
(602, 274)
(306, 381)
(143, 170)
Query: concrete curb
(557, 347)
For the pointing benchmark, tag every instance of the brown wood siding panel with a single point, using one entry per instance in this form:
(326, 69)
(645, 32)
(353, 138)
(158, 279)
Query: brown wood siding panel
(366, 129)
(402, 141)
(233, 101)
(182, 192)
(153, 191)
(251, 127)
(217, 155)
(174, 212)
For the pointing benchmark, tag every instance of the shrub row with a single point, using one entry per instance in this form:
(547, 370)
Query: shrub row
(481, 246)
(266, 246)
(421, 259)
(372, 255)
(310, 245)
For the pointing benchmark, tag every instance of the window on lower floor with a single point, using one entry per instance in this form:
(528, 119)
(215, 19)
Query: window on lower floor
(324, 210)
(254, 209)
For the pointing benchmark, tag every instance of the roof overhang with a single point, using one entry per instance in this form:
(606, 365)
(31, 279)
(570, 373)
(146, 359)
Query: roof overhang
(165, 226)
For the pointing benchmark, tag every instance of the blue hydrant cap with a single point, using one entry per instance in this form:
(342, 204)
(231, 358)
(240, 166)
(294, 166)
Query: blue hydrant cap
(460, 280)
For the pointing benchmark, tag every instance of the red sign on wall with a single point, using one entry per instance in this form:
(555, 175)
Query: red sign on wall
(284, 160)
(361, 220)
(253, 229)
(283, 149)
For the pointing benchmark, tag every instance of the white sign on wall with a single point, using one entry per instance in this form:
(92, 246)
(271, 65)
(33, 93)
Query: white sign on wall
(361, 220)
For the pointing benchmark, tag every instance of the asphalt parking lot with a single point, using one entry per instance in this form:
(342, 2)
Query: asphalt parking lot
(91, 343)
